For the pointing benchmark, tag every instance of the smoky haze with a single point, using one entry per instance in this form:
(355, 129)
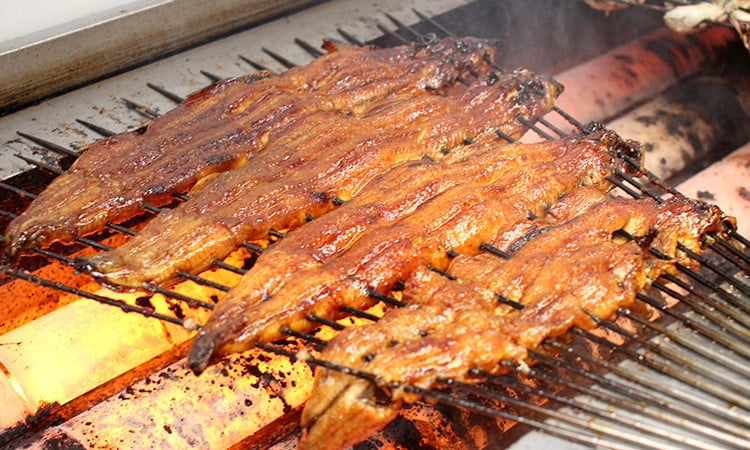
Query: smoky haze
(545, 35)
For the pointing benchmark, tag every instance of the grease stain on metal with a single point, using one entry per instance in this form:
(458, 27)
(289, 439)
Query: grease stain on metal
(705, 195)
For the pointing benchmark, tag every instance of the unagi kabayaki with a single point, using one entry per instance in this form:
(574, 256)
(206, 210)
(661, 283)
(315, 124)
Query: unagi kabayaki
(574, 268)
(299, 177)
(225, 125)
(338, 398)
(405, 218)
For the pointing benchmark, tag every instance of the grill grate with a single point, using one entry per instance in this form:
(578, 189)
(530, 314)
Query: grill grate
(649, 376)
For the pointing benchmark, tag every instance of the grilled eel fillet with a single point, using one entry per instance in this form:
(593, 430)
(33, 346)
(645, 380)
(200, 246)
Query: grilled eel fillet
(336, 398)
(560, 272)
(300, 177)
(403, 219)
(225, 125)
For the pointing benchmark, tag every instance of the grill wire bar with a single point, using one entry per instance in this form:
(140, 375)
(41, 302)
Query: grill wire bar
(625, 399)
(684, 358)
(574, 435)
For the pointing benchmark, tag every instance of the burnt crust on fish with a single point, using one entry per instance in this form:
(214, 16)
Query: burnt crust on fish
(333, 159)
(405, 218)
(580, 267)
(223, 127)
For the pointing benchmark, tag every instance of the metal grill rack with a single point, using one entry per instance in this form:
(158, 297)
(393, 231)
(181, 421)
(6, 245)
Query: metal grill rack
(676, 382)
